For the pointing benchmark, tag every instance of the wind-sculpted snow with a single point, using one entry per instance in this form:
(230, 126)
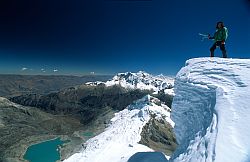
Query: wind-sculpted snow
(211, 111)
(193, 114)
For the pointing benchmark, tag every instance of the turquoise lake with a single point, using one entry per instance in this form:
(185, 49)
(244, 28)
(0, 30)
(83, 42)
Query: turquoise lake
(44, 152)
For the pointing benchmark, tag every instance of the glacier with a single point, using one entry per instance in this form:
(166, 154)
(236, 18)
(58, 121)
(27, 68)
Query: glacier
(211, 111)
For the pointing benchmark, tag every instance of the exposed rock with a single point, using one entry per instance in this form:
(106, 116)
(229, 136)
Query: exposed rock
(84, 102)
(158, 135)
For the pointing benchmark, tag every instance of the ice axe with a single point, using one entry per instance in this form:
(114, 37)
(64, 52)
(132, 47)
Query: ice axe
(204, 36)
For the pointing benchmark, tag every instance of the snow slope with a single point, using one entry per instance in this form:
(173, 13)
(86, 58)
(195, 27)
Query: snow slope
(211, 111)
(120, 140)
(140, 80)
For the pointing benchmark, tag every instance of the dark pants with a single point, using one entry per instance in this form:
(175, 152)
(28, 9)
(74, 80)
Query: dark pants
(222, 48)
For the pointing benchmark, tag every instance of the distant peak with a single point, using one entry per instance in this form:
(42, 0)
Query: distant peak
(140, 80)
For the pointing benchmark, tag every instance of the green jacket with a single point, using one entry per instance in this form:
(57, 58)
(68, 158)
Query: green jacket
(221, 34)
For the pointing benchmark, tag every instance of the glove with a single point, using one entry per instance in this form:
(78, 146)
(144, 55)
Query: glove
(208, 36)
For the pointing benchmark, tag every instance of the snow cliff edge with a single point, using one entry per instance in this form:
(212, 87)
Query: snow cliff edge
(211, 111)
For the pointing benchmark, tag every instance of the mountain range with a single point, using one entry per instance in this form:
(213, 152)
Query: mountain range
(87, 107)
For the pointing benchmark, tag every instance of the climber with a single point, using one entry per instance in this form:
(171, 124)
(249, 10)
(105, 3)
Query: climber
(219, 38)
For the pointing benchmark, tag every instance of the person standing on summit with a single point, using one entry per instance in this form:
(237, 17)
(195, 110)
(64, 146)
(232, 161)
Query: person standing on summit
(219, 38)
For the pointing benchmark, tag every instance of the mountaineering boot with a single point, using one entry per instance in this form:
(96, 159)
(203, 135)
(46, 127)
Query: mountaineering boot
(224, 53)
(211, 54)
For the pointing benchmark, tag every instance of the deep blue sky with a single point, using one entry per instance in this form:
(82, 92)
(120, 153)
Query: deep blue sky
(110, 36)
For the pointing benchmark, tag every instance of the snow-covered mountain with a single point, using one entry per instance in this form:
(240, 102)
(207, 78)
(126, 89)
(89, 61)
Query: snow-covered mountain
(121, 139)
(140, 80)
(211, 111)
